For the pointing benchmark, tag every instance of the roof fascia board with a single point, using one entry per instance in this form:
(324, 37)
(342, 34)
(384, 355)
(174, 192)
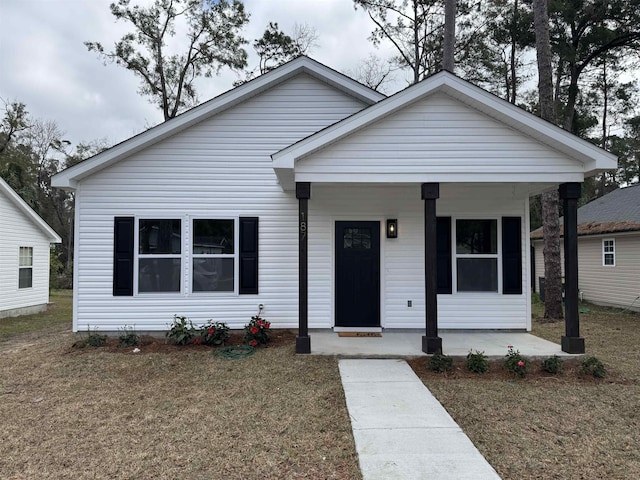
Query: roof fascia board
(463, 91)
(69, 177)
(28, 211)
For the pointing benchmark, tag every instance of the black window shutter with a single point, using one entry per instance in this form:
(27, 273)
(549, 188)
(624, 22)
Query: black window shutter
(123, 256)
(248, 255)
(511, 256)
(443, 248)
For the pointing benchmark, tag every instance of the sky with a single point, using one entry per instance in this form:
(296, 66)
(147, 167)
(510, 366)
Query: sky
(45, 65)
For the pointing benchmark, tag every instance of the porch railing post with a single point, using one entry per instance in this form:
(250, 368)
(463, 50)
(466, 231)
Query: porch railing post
(571, 342)
(431, 343)
(303, 194)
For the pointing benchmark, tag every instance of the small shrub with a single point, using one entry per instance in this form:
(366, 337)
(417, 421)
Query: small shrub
(477, 362)
(93, 339)
(593, 366)
(214, 333)
(128, 337)
(516, 363)
(552, 365)
(257, 331)
(181, 331)
(440, 363)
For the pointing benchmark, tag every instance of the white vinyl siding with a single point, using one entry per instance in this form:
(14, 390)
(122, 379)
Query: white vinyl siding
(402, 258)
(600, 284)
(619, 286)
(435, 139)
(219, 168)
(19, 231)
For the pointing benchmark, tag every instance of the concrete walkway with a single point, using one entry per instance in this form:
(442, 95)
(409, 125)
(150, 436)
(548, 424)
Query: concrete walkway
(408, 343)
(401, 431)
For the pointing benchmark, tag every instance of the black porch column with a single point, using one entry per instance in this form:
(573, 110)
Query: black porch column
(303, 341)
(571, 342)
(431, 343)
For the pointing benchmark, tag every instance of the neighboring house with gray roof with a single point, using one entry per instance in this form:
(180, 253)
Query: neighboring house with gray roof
(608, 249)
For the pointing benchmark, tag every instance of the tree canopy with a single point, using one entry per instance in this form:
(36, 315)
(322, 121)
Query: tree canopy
(213, 41)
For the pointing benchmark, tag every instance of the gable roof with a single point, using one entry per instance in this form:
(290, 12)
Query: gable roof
(592, 158)
(68, 178)
(617, 211)
(28, 212)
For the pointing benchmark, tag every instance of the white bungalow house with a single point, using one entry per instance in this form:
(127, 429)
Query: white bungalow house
(324, 201)
(24, 256)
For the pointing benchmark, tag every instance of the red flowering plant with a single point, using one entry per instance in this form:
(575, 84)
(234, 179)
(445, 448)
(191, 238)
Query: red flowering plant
(257, 331)
(214, 333)
(516, 363)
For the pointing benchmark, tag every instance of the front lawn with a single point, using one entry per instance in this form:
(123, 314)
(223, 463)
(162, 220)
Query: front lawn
(92, 413)
(567, 427)
(183, 413)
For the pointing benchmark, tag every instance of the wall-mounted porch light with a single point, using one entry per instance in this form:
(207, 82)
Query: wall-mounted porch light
(392, 228)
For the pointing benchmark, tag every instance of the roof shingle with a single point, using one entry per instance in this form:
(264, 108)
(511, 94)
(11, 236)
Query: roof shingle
(617, 211)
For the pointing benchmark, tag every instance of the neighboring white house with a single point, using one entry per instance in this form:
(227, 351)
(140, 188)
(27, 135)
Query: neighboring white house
(24, 256)
(206, 214)
(608, 249)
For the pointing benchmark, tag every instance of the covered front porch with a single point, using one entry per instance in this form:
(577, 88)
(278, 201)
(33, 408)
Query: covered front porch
(403, 343)
(454, 167)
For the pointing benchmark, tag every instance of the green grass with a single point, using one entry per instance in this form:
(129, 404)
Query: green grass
(58, 315)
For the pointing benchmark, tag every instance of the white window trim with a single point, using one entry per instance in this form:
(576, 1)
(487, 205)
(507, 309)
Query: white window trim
(612, 252)
(21, 267)
(455, 255)
(186, 256)
(235, 255)
(137, 256)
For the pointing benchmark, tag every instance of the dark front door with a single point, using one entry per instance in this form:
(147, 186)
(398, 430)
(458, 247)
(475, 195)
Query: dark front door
(358, 274)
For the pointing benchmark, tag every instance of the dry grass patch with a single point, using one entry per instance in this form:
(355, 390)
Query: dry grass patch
(557, 427)
(185, 414)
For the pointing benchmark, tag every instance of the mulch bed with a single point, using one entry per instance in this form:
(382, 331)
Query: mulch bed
(570, 373)
(153, 344)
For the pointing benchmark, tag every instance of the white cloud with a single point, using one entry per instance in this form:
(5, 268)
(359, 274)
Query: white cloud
(44, 64)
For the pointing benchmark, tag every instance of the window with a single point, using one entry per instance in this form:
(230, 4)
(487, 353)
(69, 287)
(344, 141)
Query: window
(159, 255)
(181, 256)
(213, 255)
(477, 255)
(609, 252)
(357, 238)
(25, 267)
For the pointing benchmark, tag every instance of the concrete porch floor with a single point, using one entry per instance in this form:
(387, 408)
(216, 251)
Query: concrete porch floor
(408, 343)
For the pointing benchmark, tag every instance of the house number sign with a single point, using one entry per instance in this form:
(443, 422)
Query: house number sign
(303, 226)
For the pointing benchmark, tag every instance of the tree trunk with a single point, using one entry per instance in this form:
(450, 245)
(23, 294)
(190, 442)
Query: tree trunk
(551, 252)
(416, 44)
(449, 40)
(550, 220)
(512, 57)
